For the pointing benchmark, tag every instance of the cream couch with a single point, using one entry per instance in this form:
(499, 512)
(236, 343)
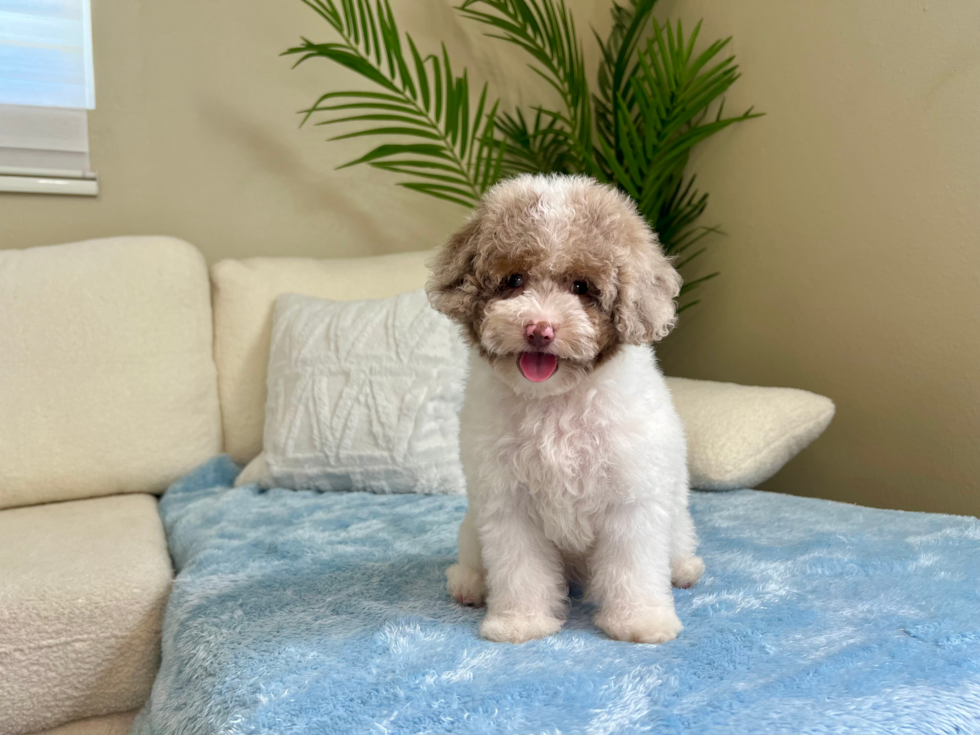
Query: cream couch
(109, 391)
(123, 365)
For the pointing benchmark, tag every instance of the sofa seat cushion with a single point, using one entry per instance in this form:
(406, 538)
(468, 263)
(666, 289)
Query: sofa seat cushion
(114, 724)
(82, 595)
(107, 377)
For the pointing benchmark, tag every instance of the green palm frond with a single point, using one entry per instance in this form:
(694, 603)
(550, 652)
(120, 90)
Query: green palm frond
(541, 145)
(446, 151)
(618, 63)
(659, 118)
(546, 31)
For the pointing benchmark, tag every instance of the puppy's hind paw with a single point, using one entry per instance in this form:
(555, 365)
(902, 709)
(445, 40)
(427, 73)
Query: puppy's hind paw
(512, 628)
(652, 625)
(466, 585)
(685, 573)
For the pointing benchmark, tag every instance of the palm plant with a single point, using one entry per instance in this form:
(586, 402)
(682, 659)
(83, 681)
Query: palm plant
(655, 100)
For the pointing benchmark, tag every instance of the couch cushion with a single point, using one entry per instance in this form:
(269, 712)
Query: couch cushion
(117, 724)
(82, 595)
(740, 435)
(107, 377)
(245, 293)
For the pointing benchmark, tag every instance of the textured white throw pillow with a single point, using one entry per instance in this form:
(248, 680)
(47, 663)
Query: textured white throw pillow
(363, 395)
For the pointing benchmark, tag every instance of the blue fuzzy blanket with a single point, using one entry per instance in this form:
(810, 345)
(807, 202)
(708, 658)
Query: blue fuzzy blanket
(297, 612)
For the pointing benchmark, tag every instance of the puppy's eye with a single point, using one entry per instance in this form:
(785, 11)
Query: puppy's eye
(581, 288)
(515, 280)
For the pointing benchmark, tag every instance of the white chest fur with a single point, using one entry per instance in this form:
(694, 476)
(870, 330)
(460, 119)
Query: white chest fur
(560, 450)
(560, 457)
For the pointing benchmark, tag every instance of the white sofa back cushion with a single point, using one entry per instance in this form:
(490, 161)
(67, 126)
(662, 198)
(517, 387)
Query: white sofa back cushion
(245, 293)
(107, 377)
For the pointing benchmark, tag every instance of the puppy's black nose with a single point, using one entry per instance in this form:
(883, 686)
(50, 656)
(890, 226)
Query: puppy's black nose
(540, 334)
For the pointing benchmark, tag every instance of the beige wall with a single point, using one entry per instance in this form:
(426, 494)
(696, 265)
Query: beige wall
(851, 266)
(194, 134)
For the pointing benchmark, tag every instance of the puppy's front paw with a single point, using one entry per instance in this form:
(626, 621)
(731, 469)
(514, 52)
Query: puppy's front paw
(651, 625)
(687, 572)
(466, 585)
(509, 628)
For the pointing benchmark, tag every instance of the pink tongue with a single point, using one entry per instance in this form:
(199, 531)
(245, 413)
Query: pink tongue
(537, 366)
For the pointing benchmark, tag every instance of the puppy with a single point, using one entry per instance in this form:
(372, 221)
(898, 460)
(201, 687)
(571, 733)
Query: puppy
(575, 459)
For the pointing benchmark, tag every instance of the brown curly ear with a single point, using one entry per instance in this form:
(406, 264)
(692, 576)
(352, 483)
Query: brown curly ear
(648, 284)
(452, 286)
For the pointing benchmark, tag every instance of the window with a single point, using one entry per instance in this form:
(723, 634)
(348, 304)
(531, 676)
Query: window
(46, 86)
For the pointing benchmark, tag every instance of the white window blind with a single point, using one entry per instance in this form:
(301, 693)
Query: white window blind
(46, 53)
(46, 85)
